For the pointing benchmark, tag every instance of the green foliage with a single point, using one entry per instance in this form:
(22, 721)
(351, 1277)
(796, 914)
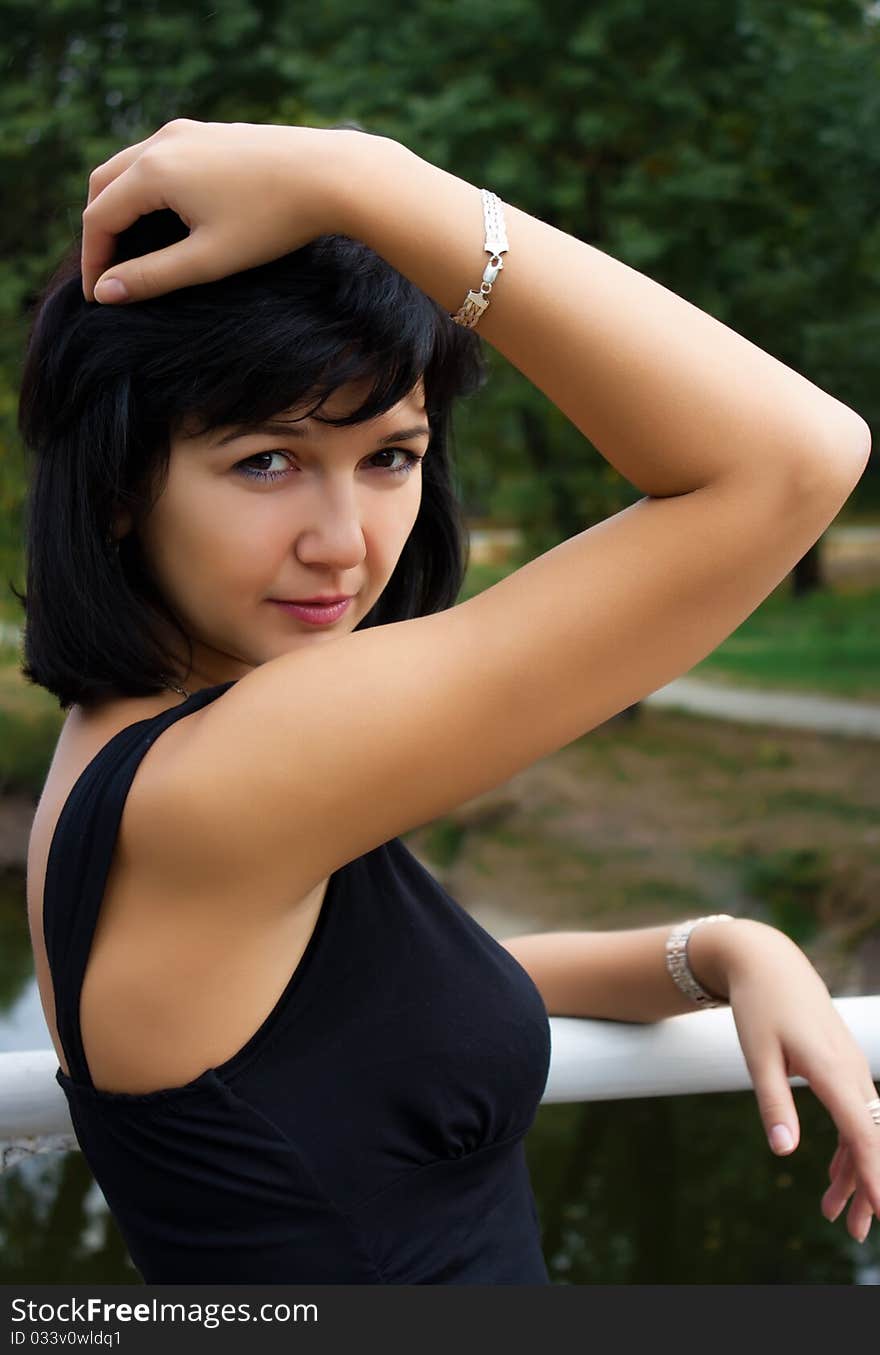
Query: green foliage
(26, 748)
(789, 886)
(443, 842)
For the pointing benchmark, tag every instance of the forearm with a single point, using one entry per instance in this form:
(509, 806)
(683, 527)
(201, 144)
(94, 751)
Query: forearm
(622, 975)
(670, 396)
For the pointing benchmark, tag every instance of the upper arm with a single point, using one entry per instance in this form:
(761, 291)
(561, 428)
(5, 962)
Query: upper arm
(327, 751)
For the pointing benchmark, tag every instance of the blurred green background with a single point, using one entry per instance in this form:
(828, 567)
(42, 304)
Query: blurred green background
(728, 149)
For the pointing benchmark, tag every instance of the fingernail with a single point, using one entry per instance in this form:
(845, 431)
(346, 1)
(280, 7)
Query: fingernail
(781, 1140)
(111, 289)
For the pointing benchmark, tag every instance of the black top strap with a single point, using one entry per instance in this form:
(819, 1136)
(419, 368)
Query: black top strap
(79, 860)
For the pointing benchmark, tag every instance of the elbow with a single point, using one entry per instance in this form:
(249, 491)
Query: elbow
(866, 438)
(838, 462)
(857, 435)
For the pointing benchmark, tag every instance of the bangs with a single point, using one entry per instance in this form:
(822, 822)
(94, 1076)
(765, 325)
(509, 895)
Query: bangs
(297, 389)
(330, 314)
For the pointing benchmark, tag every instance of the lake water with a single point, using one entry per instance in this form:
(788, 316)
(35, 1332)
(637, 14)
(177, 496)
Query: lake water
(679, 1190)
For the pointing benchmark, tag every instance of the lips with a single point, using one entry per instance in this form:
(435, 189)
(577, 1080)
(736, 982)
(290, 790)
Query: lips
(327, 601)
(316, 613)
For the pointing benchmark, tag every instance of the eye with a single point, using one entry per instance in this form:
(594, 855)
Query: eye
(243, 469)
(409, 463)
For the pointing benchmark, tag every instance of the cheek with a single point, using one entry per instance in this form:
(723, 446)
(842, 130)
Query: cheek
(198, 538)
(390, 530)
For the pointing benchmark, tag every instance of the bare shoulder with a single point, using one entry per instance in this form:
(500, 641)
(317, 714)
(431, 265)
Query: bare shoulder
(145, 831)
(326, 752)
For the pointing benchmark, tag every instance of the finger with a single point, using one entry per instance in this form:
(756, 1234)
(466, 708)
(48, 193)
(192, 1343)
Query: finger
(776, 1103)
(188, 263)
(841, 1188)
(95, 256)
(845, 1094)
(132, 194)
(858, 1219)
(105, 173)
(93, 260)
(835, 1161)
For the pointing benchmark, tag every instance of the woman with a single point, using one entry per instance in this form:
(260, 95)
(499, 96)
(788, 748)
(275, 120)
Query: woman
(288, 1054)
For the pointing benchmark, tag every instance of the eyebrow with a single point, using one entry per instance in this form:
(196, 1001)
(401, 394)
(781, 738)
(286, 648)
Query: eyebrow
(289, 430)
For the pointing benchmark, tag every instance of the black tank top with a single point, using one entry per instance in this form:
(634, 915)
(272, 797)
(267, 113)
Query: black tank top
(369, 1132)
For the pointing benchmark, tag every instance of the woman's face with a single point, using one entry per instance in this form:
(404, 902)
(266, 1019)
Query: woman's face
(224, 539)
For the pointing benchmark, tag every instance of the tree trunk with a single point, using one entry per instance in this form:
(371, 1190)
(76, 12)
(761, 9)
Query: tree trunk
(808, 576)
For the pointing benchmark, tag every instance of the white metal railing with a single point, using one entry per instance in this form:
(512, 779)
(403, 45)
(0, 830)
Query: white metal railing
(590, 1060)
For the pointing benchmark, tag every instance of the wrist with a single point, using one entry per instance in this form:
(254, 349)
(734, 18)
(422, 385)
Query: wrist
(717, 954)
(361, 164)
(424, 221)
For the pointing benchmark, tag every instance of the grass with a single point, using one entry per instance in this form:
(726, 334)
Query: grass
(826, 642)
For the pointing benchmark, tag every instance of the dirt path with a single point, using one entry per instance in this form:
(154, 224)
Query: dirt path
(789, 710)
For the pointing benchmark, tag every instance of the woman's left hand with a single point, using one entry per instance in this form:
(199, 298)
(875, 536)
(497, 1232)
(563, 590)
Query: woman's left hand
(789, 1027)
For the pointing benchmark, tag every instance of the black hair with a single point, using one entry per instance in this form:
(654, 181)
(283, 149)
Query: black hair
(103, 387)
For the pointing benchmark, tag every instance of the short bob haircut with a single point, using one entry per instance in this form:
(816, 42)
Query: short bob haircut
(104, 387)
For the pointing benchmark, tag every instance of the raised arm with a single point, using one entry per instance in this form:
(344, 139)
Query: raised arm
(671, 397)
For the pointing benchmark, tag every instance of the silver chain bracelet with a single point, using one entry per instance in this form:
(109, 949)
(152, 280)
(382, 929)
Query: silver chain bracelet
(495, 245)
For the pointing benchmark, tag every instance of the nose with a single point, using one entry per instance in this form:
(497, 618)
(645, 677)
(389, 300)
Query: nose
(333, 533)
